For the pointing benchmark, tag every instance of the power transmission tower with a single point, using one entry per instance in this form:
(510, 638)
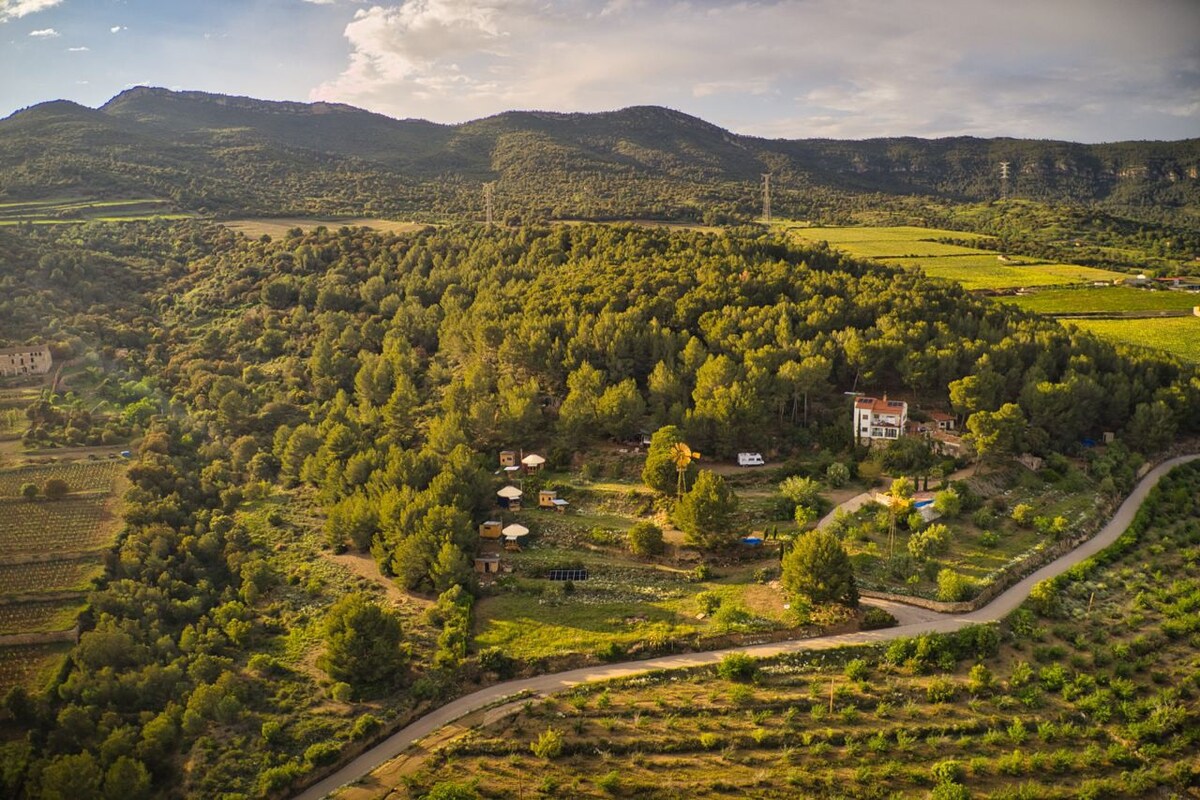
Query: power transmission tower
(487, 200)
(1004, 180)
(767, 197)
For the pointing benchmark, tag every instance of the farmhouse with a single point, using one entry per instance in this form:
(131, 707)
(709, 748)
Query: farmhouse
(876, 419)
(32, 359)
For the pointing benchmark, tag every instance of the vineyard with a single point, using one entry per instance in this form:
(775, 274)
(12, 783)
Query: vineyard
(49, 549)
(73, 525)
(58, 575)
(30, 664)
(80, 476)
(49, 615)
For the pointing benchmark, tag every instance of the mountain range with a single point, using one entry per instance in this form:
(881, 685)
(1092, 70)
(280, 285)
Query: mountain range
(228, 155)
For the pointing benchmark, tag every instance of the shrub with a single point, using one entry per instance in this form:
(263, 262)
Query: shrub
(55, 489)
(932, 541)
(857, 669)
(949, 791)
(321, 753)
(876, 618)
(549, 744)
(948, 503)
(818, 568)
(949, 771)
(737, 667)
(29, 491)
(837, 474)
(1022, 514)
(953, 587)
(645, 539)
(709, 602)
(941, 690)
(610, 782)
(365, 725)
(449, 790)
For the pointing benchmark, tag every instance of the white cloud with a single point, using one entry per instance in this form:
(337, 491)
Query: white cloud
(45, 33)
(117, 29)
(78, 49)
(784, 68)
(15, 9)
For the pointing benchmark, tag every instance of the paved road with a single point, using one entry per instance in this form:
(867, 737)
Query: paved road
(934, 622)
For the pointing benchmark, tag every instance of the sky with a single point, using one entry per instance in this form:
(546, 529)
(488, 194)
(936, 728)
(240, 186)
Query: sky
(1080, 70)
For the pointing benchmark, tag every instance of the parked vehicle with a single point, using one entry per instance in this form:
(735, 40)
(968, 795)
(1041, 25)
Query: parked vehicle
(750, 460)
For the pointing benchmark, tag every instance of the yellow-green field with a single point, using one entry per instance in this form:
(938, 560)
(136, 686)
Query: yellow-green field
(279, 226)
(1177, 335)
(72, 210)
(912, 247)
(1116, 299)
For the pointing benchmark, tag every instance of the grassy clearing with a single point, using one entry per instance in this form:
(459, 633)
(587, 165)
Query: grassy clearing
(1109, 298)
(1004, 276)
(1177, 335)
(279, 226)
(1091, 693)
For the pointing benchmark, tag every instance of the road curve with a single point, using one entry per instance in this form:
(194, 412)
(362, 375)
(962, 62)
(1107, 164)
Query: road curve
(1000, 607)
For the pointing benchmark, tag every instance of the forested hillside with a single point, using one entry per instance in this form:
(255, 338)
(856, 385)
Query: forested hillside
(241, 155)
(370, 377)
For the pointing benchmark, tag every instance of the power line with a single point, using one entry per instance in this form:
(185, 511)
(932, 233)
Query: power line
(487, 200)
(1004, 180)
(766, 198)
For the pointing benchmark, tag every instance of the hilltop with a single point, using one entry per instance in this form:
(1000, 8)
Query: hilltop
(235, 155)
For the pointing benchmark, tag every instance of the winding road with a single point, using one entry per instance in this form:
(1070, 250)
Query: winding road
(927, 622)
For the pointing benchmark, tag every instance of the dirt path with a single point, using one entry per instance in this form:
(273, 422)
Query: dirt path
(1003, 605)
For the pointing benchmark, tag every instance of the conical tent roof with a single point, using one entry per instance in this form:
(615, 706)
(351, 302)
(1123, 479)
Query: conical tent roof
(533, 460)
(510, 493)
(514, 531)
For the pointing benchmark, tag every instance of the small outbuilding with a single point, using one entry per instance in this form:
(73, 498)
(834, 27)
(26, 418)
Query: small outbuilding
(489, 529)
(508, 458)
(546, 498)
(533, 463)
(487, 563)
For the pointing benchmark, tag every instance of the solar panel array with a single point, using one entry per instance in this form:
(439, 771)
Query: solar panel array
(568, 575)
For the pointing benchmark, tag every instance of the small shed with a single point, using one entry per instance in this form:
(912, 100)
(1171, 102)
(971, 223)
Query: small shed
(508, 458)
(487, 563)
(560, 505)
(546, 498)
(489, 529)
(510, 498)
(533, 463)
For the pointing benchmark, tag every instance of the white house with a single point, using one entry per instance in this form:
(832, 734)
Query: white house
(31, 359)
(876, 419)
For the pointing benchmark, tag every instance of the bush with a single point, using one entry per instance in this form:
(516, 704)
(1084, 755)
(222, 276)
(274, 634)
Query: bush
(953, 587)
(610, 782)
(645, 539)
(321, 753)
(55, 489)
(29, 491)
(737, 667)
(549, 744)
(837, 474)
(449, 790)
(817, 567)
(1022, 514)
(948, 771)
(932, 541)
(876, 618)
(857, 669)
(709, 602)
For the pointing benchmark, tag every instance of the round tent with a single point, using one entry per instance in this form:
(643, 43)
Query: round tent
(510, 493)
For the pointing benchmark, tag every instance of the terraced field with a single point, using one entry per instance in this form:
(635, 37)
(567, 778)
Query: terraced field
(50, 551)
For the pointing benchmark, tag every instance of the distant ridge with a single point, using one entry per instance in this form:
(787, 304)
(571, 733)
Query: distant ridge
(230, 154)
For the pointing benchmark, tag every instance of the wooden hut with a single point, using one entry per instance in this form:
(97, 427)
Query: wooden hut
(508, 458)
(489, 529)
(487, 563)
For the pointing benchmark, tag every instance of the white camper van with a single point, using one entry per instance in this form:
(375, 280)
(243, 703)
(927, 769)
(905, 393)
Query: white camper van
(750, 460)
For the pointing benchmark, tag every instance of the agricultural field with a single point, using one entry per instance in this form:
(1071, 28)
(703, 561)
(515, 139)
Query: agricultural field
(59, 574)
(80, 476)
(1179, 336)
(30, 665)
(49, 556)
(48, 615)
(912, 248)
(1088, 690)
(278, 227)
(71, 210)
(1108, 299)
(69, 526)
